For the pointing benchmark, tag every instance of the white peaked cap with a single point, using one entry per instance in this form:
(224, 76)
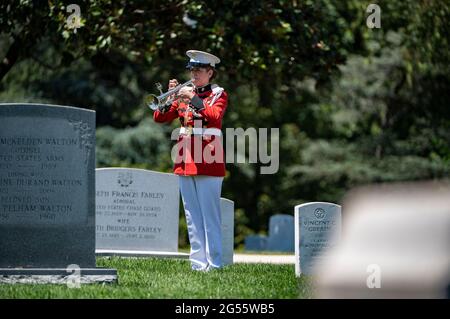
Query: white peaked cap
(199, 58)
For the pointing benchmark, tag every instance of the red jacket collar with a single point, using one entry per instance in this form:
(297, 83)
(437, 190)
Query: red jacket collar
(203, 90)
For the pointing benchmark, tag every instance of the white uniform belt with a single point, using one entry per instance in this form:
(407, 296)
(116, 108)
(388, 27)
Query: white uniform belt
(201, 131)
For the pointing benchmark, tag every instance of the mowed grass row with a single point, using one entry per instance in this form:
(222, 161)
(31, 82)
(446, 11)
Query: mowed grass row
(153, 278)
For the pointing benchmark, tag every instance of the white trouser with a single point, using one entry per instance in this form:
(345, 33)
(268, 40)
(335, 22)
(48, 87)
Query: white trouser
(201, 200)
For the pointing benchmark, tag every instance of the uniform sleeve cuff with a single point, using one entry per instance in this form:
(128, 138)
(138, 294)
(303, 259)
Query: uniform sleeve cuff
(197, 103)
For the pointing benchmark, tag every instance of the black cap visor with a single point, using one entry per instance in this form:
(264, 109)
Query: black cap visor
(192, 65)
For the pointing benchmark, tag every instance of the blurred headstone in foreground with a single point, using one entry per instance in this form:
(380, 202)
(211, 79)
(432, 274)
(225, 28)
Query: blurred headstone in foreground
(395, 244)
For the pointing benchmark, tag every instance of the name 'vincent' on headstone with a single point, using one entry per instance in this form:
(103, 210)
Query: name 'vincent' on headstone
(317, 229)
(47, 212)
(136, 210)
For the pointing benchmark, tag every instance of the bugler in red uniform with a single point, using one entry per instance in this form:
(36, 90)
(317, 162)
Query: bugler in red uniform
(200, 160)
(210, 102)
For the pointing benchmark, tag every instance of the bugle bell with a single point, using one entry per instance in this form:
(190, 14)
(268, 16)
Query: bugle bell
(155, 102)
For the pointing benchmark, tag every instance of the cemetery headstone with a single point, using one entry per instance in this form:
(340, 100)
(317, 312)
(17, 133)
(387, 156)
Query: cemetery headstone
(227, 211)
(255, 243)
(47, 191)
(281, 233)
(137, 212)
(317, 229)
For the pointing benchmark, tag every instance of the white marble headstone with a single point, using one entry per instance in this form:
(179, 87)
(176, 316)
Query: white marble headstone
(136, 210)
(227, 211)
(317, 229)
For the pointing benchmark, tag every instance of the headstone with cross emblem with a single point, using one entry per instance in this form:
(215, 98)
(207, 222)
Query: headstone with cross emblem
(317, 229)
(137, 212)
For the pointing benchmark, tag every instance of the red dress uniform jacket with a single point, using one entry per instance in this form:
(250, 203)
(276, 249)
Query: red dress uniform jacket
(210, 106)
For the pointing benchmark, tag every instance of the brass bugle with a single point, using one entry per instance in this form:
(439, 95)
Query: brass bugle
(155, 102)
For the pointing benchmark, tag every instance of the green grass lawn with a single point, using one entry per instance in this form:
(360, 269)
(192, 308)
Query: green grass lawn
(171, 278)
